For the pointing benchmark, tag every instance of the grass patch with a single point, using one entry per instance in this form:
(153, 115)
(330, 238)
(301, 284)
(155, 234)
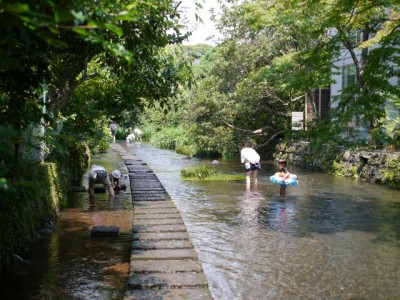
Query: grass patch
(207, 173)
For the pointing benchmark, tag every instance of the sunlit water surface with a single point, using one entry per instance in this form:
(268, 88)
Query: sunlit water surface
(330, 238)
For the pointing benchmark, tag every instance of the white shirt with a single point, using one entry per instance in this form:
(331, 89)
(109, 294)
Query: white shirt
(249, 155)
(96, 168)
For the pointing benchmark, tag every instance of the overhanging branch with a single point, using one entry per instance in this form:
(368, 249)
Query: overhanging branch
(260, 131)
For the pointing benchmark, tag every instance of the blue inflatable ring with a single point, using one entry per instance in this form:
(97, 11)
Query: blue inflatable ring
(292, 180)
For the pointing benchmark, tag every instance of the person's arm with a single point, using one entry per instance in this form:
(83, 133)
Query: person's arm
(112, 182)
(242, 158)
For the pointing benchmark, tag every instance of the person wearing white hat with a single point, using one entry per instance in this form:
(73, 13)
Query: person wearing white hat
(116, 179)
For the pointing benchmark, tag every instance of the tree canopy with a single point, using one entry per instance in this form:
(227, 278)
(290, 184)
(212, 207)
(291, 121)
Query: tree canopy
(274, 52)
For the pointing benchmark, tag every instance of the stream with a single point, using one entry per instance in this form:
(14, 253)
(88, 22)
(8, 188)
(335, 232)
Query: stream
(329, 238)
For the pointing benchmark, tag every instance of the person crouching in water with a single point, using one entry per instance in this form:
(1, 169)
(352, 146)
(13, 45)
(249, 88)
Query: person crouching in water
(284, 174)
(115, 179)
(130, 138)
(251, 161)
(98, 174)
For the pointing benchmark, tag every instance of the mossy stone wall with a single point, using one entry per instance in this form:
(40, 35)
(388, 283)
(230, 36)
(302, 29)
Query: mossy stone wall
(370, 165)
(39, 191)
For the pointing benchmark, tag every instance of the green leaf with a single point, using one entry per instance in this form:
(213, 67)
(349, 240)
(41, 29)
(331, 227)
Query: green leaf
(116, 29)
(62, 16)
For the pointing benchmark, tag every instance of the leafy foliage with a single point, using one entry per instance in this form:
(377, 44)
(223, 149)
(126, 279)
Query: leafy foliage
(200, 171)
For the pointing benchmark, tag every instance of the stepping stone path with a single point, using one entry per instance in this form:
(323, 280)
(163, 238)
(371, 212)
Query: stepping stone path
(164, 263)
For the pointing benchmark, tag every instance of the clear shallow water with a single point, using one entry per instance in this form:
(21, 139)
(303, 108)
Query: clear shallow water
(330, 238)
(69, 264)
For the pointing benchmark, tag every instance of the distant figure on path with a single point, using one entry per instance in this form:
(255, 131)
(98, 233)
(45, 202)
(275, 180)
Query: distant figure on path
(130, 138)
(113, 128)
(138, 134)
(251, 160)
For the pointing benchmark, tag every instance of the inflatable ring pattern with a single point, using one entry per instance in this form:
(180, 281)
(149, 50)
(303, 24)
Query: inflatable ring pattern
(292, 180)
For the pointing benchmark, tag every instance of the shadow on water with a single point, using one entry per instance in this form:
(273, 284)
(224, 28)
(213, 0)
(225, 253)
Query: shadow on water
(69, 263)
(329, 238)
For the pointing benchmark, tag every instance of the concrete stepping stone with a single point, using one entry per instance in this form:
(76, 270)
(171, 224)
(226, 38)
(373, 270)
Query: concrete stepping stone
(171, 235)
(164, 263)
(169, 294)
(158, 221)
(158, 228)
(165, 280)
(161, 244)
(165, 266)
(104, 231)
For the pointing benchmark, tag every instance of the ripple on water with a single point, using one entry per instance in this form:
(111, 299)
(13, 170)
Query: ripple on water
(329, 238)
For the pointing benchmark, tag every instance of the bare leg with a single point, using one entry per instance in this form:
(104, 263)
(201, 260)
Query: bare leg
(111, 191)
(248, 176)
(254, 173)
(91, 191)
(282, 191)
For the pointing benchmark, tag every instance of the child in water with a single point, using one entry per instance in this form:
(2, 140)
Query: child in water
(115, 179)
(284, 174)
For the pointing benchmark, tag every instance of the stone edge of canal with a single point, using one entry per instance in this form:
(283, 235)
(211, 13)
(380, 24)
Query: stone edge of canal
(164, 263)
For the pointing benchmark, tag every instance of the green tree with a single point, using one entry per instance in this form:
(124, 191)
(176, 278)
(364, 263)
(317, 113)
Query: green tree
(57, 41)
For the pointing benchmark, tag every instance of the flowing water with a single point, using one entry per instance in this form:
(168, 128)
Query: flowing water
(68, 263)
(329, 238)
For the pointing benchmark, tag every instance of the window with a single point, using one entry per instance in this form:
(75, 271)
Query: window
(349, 78)
(348, 75)
(356, 37)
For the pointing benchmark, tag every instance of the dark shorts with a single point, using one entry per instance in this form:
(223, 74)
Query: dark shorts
(112, 132)
(252, 167)
(102, 177)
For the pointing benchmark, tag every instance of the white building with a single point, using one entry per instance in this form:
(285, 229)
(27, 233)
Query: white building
(344, 74)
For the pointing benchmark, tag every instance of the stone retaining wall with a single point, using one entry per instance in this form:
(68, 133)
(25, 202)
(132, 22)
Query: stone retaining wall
(374, 166)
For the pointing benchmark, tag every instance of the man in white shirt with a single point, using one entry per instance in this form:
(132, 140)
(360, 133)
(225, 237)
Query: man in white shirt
(251, 160)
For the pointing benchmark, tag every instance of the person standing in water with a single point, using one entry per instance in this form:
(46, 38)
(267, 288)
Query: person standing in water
(284, 174)
(251, 160)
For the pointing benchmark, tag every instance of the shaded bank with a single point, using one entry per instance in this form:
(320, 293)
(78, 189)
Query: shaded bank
(32, 203)
(68, 263)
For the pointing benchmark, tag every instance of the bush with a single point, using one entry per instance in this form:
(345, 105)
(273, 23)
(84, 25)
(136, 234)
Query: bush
(200, 171)
(169, 138)
(186, 150)
(100, 140)
(208, 154)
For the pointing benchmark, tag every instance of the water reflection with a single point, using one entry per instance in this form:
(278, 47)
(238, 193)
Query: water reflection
(278, 215)
(329, 238)
(69, 264)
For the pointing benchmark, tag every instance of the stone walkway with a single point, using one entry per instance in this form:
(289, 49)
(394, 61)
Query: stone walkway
(164, 263)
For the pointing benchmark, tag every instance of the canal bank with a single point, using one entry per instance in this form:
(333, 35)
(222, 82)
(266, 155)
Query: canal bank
(374, 166)
(164, 263)
(67, 262)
